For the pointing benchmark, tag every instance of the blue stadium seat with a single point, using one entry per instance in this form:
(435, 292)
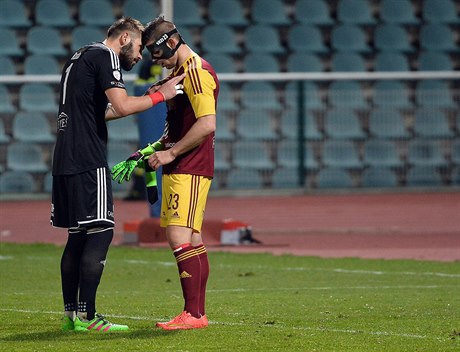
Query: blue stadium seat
(387, 123)
(315, 12)
(124, 129)
(13, 14)
(285, 178)
(9, 43)
(259, 94)
(398, 11)
(19, 182)
(219, 39)
(355, 11)
(254, 124)
(53, 13)
(4, 138)
(312, 99)
(377, 177)
(6, 102)
(41, 64)
(224, 132)
(304, 62)
(32, 127)
(440, 11)
(227, 12)
(288, 155)
(45, 40)
(37, 97)
(431, 123)
(188, 13)
(142, 10)
(244, 179)
(347, 94)
(341, 154)
(392, 37)
(391, 94)
(252, 155)
(98, 13)
(435, 61)
(48, 182)
(391, 61)
(289, 126)
(456, 153)
(226, 98)
(263, 39)
(306, 38)
(422, 152)
(27, 157)
(437, 37)
(222, 63)
(343, 124)
(434, 93)
(348, 37)
(221, 159)
(332, 177)
(456, 176)
(84, 35)
(256, 62)
(7, 66)
(424, 176)
(382, 153)
(269, 12)
(348, 62)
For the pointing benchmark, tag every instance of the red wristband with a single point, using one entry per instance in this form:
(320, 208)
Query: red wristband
(157, 97)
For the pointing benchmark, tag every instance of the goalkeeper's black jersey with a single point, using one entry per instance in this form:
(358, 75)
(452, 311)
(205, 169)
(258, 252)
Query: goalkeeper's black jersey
(81, 143)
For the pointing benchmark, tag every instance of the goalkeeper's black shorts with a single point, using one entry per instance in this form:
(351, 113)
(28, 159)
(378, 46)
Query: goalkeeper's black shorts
(83, 200)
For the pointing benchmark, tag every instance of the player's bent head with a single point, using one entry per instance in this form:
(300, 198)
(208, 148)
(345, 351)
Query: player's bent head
(125, 24)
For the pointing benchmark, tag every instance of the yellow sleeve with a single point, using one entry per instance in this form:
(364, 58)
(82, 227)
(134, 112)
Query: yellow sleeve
(199, 86)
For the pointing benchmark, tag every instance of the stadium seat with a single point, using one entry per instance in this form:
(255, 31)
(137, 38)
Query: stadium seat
(223, 131)
(227, 12)
(387, 123)
(226, 98)
(440, 11)
(348, 62)
(27, 157)
(456, 152)
(259, 94)
(424, 176)
(332, 177)
(6, 103)
(348, 37)
(340, 154)
(289, 126)
(382, 153)
(255, 62)
(343, 124)
(269, 12)
(425, 153)
(98, 13)
(188, 13)
(304, 62)
(222, 63)
(288, 155)
(398, 11)
(46, 41)
(219, 39)
(7, 66)
(252, 155)
(37, 97)
(142, 10)
(32, 127)
(376, 177)
(53, 13)
(435, 61)
(315, 12)
(84, 35)
(437, 37)
(40, 64)
(285, 178)
(221, 160)
(306, 38)
(311, 100)
(263, 39)
(355, 11)
(13, 14)
(391, 94)
(254, 124)
(48, 182)
(456, 176)
(347, 94)
(4, 138)
(124, 129)
(431, 123)
(19, 182)
(244, 179)
(9, 43)
(392, 37)
(434, 93)
(391, 61)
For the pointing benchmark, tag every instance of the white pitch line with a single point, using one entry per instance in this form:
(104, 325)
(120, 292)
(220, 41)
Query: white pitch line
(273, 326)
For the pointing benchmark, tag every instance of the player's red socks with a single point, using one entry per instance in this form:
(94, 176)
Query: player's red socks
(203, 255)
(188, 263)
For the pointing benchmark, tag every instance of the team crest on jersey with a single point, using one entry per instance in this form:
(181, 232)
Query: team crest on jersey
(62, 122)
(117, 75)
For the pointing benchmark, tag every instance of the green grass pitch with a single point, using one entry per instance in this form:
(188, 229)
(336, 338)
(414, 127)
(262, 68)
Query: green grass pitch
(256, 302)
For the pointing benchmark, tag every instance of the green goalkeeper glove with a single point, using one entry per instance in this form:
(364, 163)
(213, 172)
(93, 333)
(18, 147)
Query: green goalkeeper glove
(123, 170)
